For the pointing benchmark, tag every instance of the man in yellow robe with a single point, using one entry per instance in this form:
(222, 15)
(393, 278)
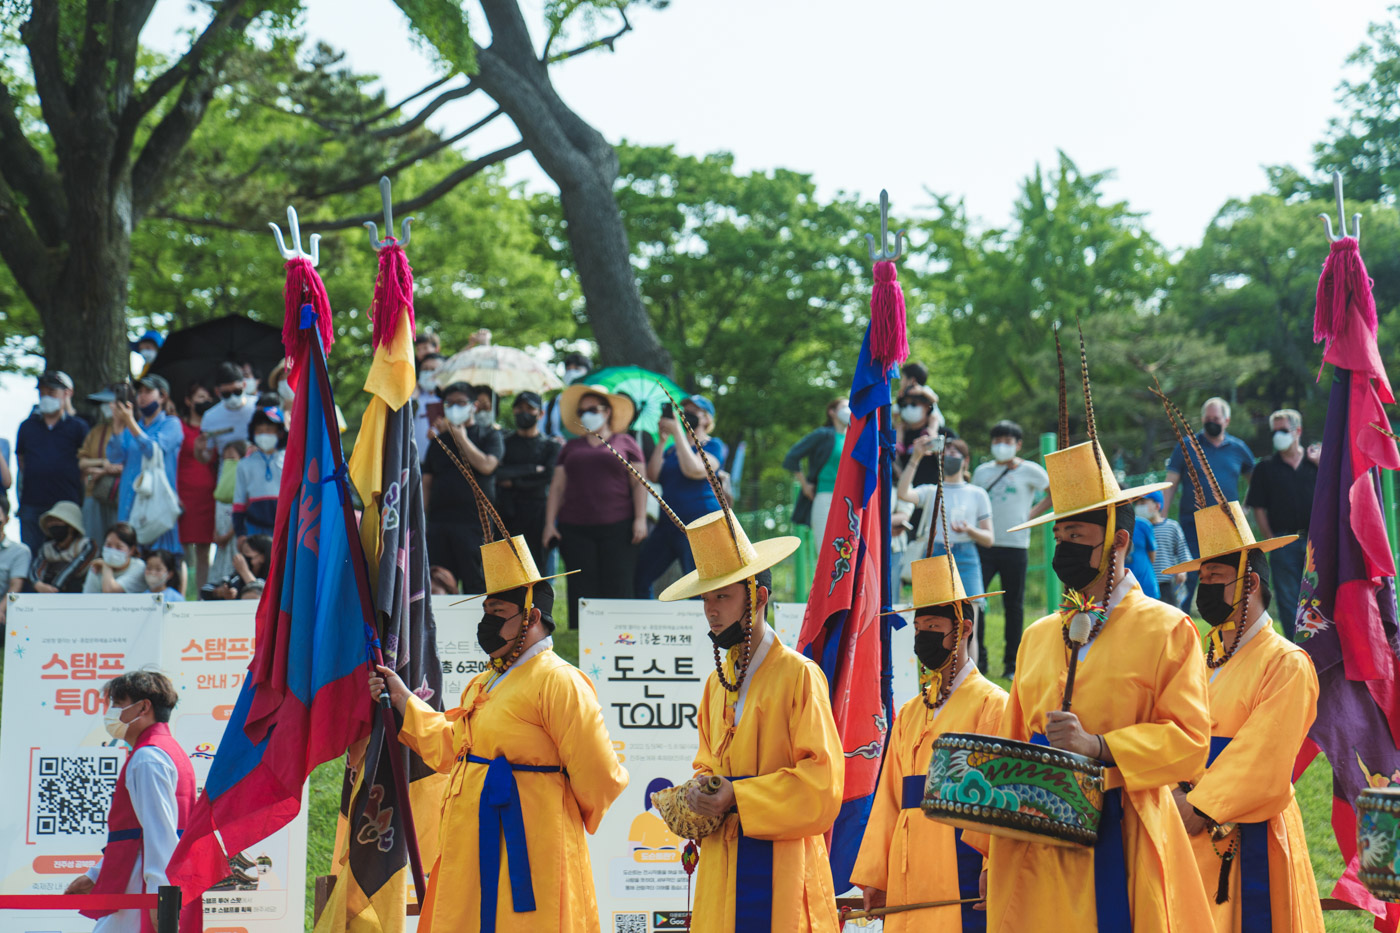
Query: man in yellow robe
(1263, 700)
(766, 729)
(904, 857)
(1138, 706)
(531, 767)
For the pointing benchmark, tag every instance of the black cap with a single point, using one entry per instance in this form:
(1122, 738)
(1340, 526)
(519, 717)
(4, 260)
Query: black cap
(544, 600)
(529, 398)
(154, 381)
(55, 379)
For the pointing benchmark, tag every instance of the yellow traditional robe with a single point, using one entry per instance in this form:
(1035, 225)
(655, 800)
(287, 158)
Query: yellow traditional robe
(1142, 685)
(544, 711)
(1265, 698)
(908, 856)
(786, 738)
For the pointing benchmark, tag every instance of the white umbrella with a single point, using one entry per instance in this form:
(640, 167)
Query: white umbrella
(504, 370)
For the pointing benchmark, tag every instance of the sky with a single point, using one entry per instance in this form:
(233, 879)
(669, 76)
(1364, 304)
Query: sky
(1185, 102)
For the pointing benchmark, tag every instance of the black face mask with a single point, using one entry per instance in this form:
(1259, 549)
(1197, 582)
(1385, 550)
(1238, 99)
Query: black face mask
(951, 465)
(56, 532)
(202, 407)
(525, 420)
(1211, 602)
(729, 637)
(1072, 564)
(928, 648)
(1214, 428)
(488, 633)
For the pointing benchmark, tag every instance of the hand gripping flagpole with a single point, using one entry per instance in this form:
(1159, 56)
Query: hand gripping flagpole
(308, 284)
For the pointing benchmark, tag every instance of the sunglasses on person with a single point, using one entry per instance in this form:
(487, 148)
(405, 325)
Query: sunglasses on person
(228, 393)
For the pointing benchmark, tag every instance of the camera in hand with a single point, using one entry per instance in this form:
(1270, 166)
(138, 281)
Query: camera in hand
(668, 411)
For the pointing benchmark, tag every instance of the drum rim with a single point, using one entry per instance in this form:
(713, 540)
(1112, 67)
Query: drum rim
(1038, 825)
(969, 741)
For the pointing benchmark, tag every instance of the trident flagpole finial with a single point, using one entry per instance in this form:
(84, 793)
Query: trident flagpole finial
(884, 253)
(386, 197)
(314, 257)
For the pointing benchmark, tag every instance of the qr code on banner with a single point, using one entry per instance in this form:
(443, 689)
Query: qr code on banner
(70, 794)
(629, 923)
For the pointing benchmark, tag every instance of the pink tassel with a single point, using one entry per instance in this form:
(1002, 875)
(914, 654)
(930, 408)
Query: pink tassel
(889, 341)
(304, 287)
(393, 294)
(1344, 281)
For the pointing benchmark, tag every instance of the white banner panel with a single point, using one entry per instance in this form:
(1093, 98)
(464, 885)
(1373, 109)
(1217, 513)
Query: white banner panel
(59, 767)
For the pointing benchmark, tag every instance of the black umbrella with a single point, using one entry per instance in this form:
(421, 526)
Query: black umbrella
(194, 353)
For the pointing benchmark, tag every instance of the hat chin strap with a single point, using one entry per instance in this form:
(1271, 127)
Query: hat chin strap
(1106, 558)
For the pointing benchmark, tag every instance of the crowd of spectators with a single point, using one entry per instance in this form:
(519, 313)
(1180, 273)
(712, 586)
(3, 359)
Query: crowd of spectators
(565, 474)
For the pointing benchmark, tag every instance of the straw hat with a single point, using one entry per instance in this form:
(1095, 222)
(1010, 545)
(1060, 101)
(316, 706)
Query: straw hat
(1082, 482)
(622, 408)
(724, 555)
(1080, 478)
(936, 583)
(1222, 530)
(507, 564)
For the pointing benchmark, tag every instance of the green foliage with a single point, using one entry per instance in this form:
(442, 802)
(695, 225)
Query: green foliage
(1364, 143)
(442, 27)
(757, 289)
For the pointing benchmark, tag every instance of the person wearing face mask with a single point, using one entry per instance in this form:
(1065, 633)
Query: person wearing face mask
(139, 427)
(953, 697)
(766, 732)
(529, 731)
(427, 402)
(147, 346)
(46, 452)
(101, 479)
(1138, 707)
(227, 419)
(1281, 497)
(597, 510)
(1229, 459)
(119, 568)
(968, 523)
(163, 572)
(454, 534)
(1263, 700)
(151, 804)
(258, 480)
(821, 449)
(577, 366)
(683, 469)
(522, 479)
(1170, 549)
(62, 562)
(1013, 485)
(198, 474)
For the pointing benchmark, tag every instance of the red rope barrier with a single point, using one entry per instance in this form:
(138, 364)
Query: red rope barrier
(78, 901)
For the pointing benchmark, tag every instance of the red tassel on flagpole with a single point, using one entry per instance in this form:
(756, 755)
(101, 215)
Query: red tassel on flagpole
(393, 294)
(304, 287)
(889, 340)
(1344, 281)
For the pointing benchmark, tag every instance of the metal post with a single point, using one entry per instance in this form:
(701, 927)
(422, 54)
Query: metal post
(802, 565)
(1388, 500)
(1047, 537)
(168, 909)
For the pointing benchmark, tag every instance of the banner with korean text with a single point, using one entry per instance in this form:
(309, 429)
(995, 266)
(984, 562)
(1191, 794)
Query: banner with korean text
(58, 766)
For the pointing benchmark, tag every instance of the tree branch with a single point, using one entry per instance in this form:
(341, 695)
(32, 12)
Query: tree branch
(166, 82)
(40, 35)
(387, 111)
(449, 182)
(604, 41)
(428, 110)
(126, 35)
(92, 60)
(423, 153)
(22, 167)
(21, 250)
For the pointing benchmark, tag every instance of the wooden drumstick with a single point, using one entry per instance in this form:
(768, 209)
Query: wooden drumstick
(901, 908)
(1080, 625)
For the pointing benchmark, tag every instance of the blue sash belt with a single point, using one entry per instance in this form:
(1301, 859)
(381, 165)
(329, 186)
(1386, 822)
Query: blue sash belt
(753, 888)
(499, 813)
(1110, 862)
(1256, 913)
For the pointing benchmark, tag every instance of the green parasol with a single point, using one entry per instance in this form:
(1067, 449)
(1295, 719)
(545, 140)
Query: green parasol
(647, 389)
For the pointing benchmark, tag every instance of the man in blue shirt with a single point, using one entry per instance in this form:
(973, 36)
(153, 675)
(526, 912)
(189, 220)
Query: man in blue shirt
(46, 452)
(1229, 458)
